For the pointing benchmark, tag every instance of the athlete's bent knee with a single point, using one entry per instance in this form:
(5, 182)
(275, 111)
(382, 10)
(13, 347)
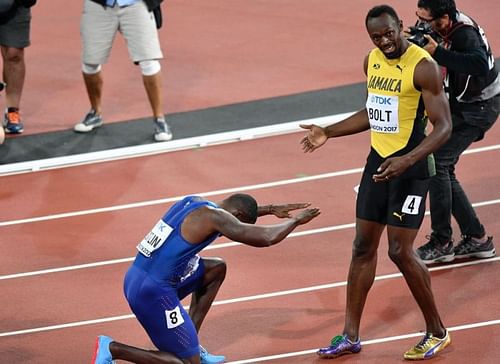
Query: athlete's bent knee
(150, 67)
(91, 69)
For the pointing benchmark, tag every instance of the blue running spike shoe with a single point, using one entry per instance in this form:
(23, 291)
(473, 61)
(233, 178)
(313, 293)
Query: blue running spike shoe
(207, 358)
(340, 345)
(102, 355)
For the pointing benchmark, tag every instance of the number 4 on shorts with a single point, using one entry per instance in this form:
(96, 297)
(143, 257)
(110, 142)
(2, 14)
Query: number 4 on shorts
(174, 318)
(411, 205)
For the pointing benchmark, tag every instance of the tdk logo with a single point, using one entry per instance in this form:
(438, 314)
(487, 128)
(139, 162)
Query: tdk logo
(380, 100)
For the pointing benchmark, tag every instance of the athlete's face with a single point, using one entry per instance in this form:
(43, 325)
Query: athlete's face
(385, 33)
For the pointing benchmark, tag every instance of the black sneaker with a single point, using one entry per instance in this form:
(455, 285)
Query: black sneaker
(89, 122)
(470, 247)
(435, 252)
(162, 130)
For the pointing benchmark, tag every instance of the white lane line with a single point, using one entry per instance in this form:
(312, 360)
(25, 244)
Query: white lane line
(177, 198)
(209, 193)
(210, 247)
(367, 342)
(244, 299)
(129, 259)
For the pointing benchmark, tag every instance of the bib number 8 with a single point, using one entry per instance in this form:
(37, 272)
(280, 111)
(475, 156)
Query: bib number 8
(174, 318)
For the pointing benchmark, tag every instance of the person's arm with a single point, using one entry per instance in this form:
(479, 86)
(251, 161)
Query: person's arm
(317, 135)
(256, 235)
(427, 78)
(468, 55)
(280, 210)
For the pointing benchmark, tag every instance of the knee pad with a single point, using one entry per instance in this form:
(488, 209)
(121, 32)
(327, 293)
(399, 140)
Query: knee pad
(150, 67)
(91, 69)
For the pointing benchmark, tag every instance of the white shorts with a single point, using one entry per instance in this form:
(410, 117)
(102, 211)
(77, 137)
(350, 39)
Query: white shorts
(99, 26)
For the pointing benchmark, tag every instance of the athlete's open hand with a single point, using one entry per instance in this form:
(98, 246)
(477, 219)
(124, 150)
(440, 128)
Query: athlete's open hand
(283, 211)
(314, 139)
(307, 215)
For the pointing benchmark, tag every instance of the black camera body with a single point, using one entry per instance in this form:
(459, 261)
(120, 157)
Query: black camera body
(418, 31)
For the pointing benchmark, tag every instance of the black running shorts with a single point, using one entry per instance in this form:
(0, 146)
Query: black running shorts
(397, 202)
(15, 32)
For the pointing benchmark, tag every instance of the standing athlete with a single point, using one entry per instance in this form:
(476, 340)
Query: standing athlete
(404, 90)
(168, 268)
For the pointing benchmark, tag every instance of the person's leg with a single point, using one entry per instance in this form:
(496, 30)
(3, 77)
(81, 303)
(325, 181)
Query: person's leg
(163, 317)
(445, 192)
(2, 135)
(153, 86)
(203, 283)
(447, 198)
(14, 71)
(93, 85)
(418, 280)
(98, 28)
(360, 279)
(416, 275)
(139, 29)
(14, 38)
(407, 199)
(203, 297)
(132, 354)
(361, 273)
(440, 193)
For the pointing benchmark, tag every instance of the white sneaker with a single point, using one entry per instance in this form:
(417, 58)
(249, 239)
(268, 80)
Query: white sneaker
(162, 130)
(89, 122)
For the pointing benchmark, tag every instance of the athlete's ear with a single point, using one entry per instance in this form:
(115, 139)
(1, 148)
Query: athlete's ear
(400, 25)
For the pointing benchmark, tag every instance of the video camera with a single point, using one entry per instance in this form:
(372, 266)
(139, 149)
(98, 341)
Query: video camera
(418, 31)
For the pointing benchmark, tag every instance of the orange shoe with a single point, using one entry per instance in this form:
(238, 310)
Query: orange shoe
(12, 121)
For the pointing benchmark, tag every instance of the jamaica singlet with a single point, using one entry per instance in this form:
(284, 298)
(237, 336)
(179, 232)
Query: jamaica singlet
(395, 109)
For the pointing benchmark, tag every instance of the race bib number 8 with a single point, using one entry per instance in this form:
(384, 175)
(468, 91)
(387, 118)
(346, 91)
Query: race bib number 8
(174, 318)
(383, 113)
(155, 238)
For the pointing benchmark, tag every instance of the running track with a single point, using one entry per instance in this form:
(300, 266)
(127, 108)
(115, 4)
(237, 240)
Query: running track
(68, 239)
(68, 235)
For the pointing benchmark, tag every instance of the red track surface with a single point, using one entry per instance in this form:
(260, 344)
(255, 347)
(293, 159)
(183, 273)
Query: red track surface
(215, 55)
(290, 49)
(241, 330)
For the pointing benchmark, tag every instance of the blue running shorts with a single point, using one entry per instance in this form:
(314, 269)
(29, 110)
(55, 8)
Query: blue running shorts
(158, 308)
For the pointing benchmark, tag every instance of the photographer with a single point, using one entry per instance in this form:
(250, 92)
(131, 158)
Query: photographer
(473, 87)
(15, 21)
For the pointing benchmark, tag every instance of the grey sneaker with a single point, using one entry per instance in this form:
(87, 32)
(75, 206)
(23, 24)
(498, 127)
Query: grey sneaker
(89, 122)
(436, 252)
(162, 130)
(470, 247)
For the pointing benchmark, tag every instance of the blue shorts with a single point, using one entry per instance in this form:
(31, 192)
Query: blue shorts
(159, 310)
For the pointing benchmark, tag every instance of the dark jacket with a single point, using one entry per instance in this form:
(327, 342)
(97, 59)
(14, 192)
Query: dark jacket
(471, 75)
(151, 4)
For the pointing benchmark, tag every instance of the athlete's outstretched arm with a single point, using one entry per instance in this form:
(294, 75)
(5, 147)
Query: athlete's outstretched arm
(257, 235)
(280, 211)
(317, 135)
